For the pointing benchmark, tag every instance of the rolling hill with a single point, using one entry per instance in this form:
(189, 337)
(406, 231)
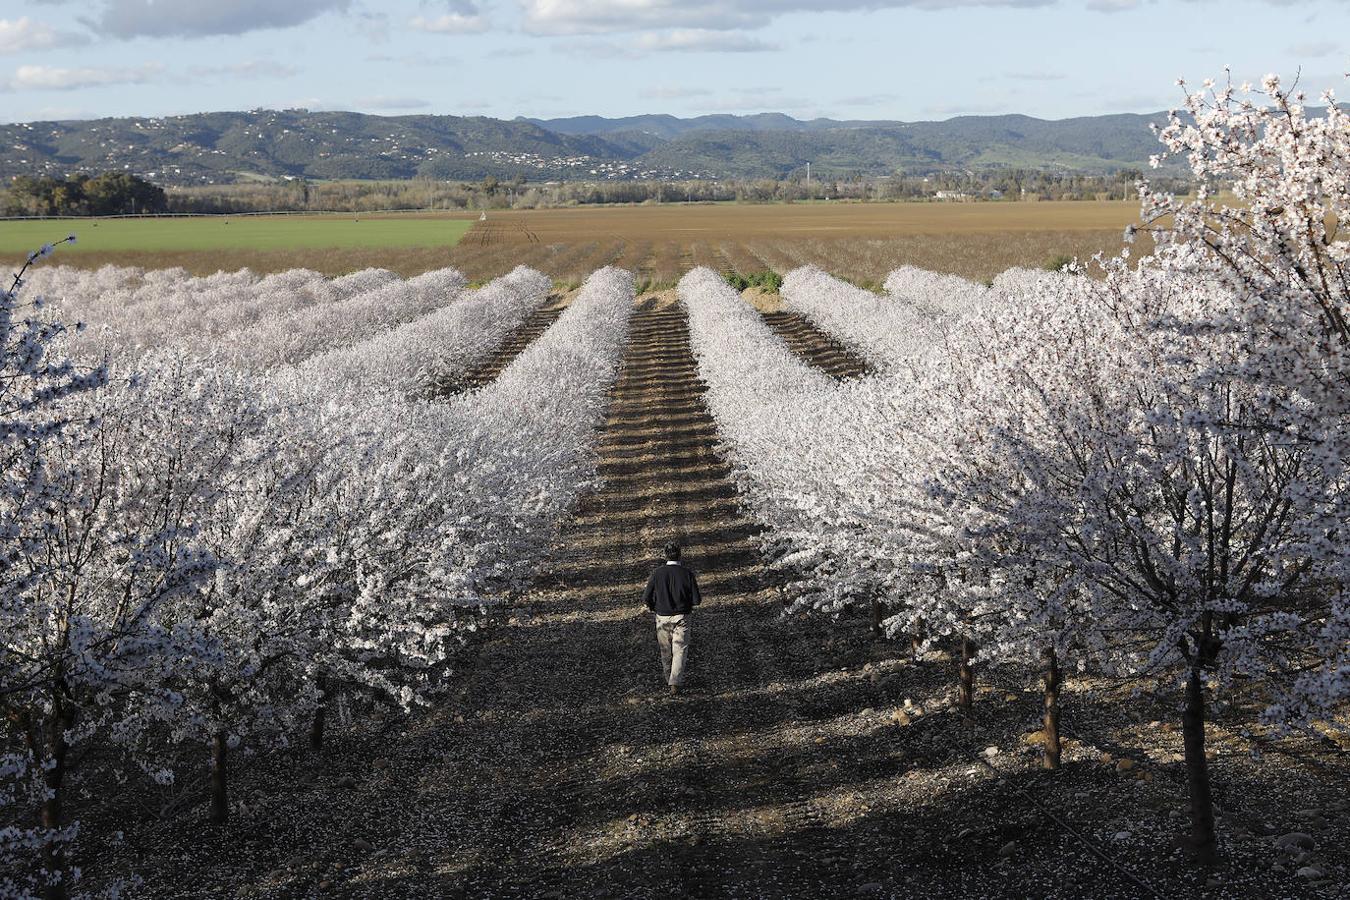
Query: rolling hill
(297, 143)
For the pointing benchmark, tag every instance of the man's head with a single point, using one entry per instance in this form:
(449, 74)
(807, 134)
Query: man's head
(672, 551)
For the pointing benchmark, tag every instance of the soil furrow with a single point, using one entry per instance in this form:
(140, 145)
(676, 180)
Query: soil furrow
(619, 789)
(814, 346)
(515, 344)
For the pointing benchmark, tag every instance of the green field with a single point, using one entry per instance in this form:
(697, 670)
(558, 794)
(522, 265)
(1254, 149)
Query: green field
(266, 233)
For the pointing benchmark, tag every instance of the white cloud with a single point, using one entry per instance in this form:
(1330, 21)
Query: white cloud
(55, 78)
(560, 17)
(700, 40)
(372, 26)
(414, 59)
(868, 100)
(678, 40)
(23, 34)
(756, 99)
(1136, 103)
(598, 50)
(463, 17)
(604, 16)
(450, 23)
(964, 109)
(750, 105)
(184, 18)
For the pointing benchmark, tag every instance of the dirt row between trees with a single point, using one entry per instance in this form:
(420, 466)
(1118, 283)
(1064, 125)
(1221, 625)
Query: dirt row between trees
(535, 325)
(806, 759)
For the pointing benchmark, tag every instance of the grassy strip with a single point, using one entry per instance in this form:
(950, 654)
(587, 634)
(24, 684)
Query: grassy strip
(258, 233)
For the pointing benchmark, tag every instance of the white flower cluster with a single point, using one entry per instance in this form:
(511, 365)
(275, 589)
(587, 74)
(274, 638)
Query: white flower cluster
(365, 304)
(1283, 254)
(885, 331)
(809, 453)
(209, 555)
(424, 355)
(35, 379)
(936, 292)
(134, 311)
(251, 322)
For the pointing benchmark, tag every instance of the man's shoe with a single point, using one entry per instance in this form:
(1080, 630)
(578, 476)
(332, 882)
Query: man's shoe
(674, 690)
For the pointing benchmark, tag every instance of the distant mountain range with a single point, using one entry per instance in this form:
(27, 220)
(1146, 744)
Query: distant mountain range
(296, 143)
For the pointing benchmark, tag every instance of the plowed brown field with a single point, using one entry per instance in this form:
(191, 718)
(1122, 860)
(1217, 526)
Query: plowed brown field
(861, 242)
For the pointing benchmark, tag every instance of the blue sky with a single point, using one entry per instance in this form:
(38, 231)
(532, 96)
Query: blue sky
(883, 59)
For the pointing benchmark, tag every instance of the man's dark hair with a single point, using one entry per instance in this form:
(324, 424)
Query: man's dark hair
(672, 551)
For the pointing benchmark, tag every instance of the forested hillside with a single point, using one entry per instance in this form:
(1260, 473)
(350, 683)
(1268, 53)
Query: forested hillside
(222, 147)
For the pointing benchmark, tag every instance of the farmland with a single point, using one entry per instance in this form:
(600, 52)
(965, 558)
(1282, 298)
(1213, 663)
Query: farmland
(659, 244)
(861, 242)
(208, 243)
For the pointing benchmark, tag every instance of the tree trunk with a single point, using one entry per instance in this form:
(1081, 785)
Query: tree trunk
(967, 673)
(1197, 768)
(1050, 717)
(53, 852)
(320, 714)
(220, 801)
(876, 615)
(916, 638)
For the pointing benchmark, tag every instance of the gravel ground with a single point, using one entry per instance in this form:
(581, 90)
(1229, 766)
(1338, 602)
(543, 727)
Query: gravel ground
(805, 760)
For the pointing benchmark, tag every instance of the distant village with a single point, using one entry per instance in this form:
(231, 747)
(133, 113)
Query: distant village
(588, 166)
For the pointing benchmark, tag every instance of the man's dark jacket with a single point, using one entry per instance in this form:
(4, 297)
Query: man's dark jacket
(672, 591)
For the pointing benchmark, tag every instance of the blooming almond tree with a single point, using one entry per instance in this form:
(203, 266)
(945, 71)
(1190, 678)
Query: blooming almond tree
(82, 577)
(1283, 252)
(1105, 458)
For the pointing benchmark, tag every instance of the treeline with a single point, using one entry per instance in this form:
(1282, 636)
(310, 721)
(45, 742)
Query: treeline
(109, 194)
(118, 193)
(519, 193)
(1032, 184)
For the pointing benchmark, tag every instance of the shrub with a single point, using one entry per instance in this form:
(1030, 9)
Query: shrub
(766, 279)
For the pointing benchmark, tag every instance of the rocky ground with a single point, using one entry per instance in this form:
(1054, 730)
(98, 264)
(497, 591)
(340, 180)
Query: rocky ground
(807, 759)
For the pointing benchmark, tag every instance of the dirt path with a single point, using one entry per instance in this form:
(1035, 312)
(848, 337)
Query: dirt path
(815, 346)
(533, 328)
(624, 774)
(571, 772)
(564, 770)
(803, 338)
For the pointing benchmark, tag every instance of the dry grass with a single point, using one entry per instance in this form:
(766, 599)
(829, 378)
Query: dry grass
(861, 242)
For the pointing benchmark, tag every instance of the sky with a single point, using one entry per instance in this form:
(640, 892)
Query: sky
(848, 59)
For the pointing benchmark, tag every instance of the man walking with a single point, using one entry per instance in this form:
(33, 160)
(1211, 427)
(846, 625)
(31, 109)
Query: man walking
(672, 593)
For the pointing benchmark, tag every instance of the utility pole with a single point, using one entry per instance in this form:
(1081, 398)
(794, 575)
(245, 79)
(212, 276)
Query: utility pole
(808, 181)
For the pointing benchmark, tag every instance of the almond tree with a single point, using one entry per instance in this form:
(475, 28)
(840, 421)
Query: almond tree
(1112, 461)
(1283, 253)
(81, 581)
